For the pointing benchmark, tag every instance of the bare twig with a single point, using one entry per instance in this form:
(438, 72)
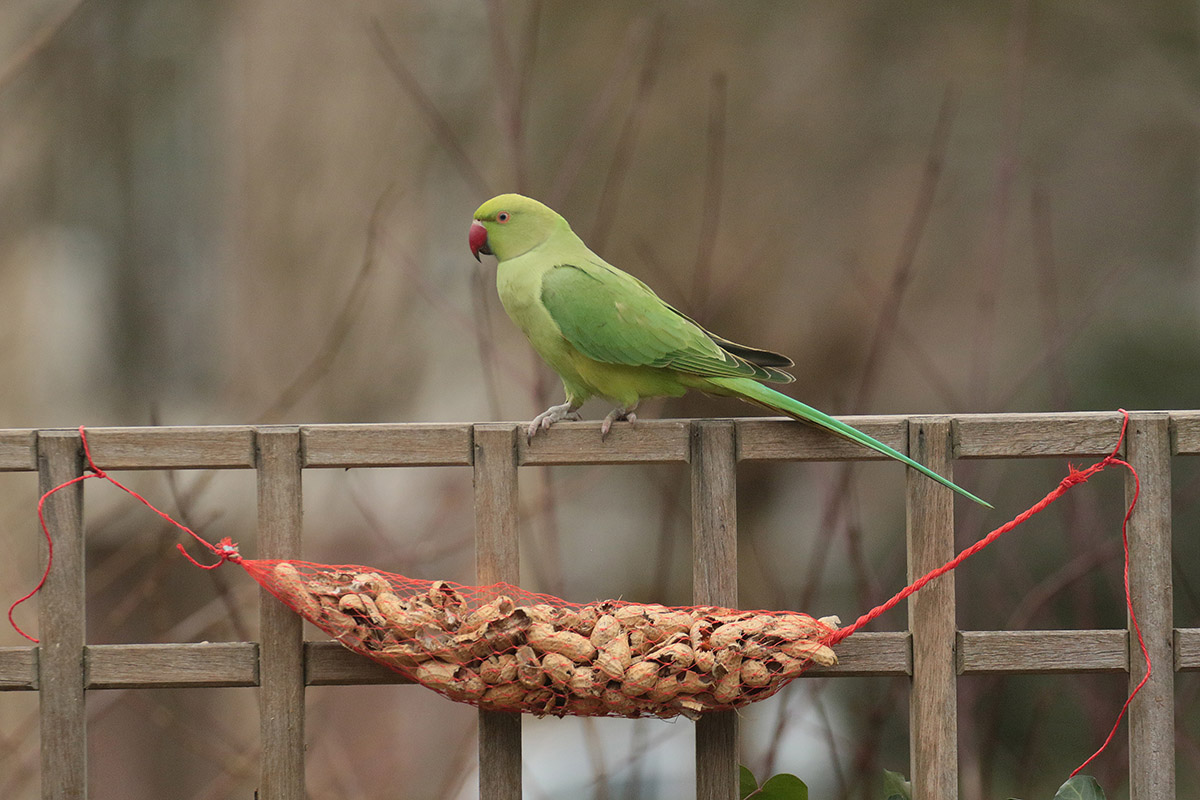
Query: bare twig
(598, 113)
(37, 43)
(614, 181)
(902, 269)
(442, 130)
(342, 324)
(714, 177)
(1007, 162)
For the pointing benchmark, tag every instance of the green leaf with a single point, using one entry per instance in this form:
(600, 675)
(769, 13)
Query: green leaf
(1081, 787)
(895, 787)
(747, 784)
(784, 787)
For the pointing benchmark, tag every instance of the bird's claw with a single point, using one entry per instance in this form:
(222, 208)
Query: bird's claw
(616, 415)
(551, 415)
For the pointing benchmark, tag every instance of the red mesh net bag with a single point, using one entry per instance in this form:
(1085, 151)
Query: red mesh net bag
(504, 649)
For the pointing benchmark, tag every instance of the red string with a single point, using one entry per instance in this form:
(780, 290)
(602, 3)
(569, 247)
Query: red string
(1073, 478)
(225, 550)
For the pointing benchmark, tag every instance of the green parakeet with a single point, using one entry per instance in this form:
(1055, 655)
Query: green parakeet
(609, 335)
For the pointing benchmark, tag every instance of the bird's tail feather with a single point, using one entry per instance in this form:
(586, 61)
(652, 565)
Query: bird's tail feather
(777, 401)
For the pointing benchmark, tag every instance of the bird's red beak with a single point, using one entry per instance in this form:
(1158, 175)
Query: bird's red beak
(478, 240)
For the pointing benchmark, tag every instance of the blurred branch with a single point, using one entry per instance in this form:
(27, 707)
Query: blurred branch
(342, 323)
(598, 113)
(610, 196)
(514, 83)
(902, 269)
(485, 341)
(1007, 161)
(442, 130)
(714, 177)
(36, 44)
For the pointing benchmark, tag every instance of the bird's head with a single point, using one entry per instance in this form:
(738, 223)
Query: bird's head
(510, 225)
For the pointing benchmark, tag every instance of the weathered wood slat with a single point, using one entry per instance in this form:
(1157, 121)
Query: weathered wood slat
(869, 654)
(1185, 432)
(281, 667)
(1152, 712)
(61, 622)
(1036, 435)
(714, 582)
(1187, 649)
(18, 669)
(330, 664)
(785, 439)
(653, 441)
(497, 558)
(18, 450)
(170, 666)
(933, 703)
(398, 445)
(208, 447)
(1042, 652)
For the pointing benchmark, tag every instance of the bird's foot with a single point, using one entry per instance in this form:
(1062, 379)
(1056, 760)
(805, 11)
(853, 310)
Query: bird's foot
(616, 415)
(551, 415)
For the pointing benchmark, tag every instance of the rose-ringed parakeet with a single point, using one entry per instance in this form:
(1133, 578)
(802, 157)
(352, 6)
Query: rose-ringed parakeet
(609, 335)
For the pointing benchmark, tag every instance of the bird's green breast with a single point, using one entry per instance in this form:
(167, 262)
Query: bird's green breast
(519, 284)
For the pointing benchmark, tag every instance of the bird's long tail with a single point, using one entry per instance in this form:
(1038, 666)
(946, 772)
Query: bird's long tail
(777, 401)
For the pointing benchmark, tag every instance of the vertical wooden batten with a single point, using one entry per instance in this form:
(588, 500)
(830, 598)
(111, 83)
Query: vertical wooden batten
(1152, 713)
(714, 582)
(933, 705)
(281, 666)
(61, 626)
(497, 558)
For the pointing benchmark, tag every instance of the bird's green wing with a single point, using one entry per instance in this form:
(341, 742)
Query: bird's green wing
(612, 317)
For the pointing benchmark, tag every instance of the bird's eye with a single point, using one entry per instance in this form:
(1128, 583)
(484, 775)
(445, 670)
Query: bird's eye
(502, 216)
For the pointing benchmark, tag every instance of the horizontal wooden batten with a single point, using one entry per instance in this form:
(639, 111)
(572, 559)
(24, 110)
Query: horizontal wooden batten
(396, 445)
(1042, 652)
(207, 447)
(869, 655)
(1187, 649)
(1185, 432)
(1036, 435)
(18, 450)
(170, 666)
(785, 439)
(18, 669)
(656, 441)
(327, 663)
(330, 664)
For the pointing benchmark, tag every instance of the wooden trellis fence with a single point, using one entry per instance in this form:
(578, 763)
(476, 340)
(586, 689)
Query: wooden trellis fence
(933, 652)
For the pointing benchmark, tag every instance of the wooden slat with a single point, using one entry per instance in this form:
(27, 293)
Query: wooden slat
(281, 668)
(61, 622)
(18, 668)
(1152, 712)
(1042, 652)
(1185, 432)
(714, 582)
(209, 447)
(170, 666)
(933, 704)
(654, 441)
(18, 450)
(869, 655)
(1187, 649)
(497, 558)
(387, 445)
(1036, 435)
(785, 439)
(330, 664)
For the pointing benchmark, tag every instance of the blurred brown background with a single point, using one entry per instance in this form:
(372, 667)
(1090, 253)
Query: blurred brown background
(237, 212)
